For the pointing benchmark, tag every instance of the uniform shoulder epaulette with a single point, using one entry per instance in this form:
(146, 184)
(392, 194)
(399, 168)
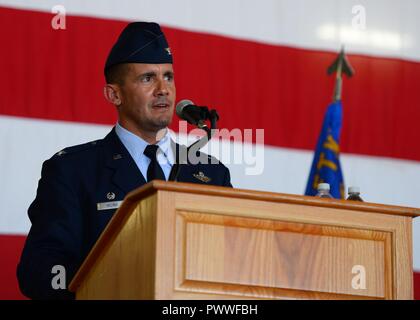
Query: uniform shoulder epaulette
(78, 148)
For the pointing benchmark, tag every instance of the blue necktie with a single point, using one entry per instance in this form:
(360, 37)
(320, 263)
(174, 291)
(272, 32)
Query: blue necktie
(155, 170)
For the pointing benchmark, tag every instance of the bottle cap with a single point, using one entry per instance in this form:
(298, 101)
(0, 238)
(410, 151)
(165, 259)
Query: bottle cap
(354, 190)
(324, 187)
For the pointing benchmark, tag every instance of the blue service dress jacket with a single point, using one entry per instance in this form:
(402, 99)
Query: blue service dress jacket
(64, 215)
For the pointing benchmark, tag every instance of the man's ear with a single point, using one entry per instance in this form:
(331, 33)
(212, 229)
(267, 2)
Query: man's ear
(112, 94)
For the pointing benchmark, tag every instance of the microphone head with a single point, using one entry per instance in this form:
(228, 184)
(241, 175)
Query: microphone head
(181, 105)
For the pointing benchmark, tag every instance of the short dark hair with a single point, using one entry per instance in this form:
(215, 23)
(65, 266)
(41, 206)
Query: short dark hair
(116, 74)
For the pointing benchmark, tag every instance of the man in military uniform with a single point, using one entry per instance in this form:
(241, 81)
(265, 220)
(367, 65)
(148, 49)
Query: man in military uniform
(82, 186)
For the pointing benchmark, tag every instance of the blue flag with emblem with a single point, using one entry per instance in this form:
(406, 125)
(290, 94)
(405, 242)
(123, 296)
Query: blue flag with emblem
(326, 164)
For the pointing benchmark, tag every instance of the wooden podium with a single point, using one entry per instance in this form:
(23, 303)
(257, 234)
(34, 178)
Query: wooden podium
(186, 241)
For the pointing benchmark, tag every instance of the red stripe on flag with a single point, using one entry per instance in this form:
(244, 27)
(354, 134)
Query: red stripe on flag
(58, 74)
(10, 248)
(417, 285)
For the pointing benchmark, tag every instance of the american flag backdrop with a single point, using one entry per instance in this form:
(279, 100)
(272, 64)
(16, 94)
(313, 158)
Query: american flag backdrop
(261, 64)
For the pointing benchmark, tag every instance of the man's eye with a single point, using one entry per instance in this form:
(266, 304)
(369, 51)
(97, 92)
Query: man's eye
(169, 77)
(146, 78)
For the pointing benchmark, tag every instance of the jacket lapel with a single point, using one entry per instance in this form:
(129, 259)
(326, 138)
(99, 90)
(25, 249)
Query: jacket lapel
(127, 175)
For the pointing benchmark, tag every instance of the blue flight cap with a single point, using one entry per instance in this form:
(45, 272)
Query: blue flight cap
(140, 42)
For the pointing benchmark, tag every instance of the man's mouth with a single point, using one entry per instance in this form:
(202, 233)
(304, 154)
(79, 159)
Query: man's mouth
(161, 106)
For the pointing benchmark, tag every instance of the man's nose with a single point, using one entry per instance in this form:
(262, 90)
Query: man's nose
(161, 88)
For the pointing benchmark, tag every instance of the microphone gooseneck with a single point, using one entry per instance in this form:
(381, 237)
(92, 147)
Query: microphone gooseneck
(195, 115)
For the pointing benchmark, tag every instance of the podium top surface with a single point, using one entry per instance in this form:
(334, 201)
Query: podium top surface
(192, 188)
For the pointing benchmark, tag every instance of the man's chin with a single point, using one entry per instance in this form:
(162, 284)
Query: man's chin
(160, 125)
(163, 122)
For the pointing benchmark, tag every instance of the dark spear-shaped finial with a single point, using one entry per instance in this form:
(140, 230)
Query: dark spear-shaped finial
(340, 65)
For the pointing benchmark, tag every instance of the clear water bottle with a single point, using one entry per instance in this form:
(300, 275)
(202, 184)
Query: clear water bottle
(324, 190)
(354, 194)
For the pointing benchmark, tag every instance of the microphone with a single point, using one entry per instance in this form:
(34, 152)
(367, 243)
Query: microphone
(193, 114)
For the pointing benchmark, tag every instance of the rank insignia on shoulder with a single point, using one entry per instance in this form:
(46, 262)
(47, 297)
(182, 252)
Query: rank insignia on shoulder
(200, 176)
(60, 153)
